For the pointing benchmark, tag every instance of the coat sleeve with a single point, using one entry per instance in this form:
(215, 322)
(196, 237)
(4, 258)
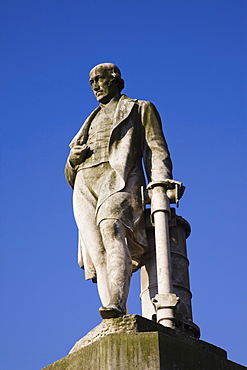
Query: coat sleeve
(156, 155)
(70, 173)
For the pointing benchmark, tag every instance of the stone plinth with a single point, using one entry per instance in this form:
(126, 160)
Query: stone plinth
(133, 342)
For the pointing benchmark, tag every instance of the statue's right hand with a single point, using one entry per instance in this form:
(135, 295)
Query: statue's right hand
(78, 154)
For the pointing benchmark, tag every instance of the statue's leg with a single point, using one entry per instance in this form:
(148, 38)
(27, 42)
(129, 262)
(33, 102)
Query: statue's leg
(92, 240)
(119, 266)
(84, 211)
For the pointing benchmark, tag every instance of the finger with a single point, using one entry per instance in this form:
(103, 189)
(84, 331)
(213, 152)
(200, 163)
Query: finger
(78, 147)
(77, 151)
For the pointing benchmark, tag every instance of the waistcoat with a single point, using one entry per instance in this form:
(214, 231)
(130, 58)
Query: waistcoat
(98, 138)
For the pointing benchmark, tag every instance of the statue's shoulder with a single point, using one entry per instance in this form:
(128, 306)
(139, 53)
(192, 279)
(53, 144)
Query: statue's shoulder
(141, 103)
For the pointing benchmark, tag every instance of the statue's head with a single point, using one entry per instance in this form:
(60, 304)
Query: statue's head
(106, 82)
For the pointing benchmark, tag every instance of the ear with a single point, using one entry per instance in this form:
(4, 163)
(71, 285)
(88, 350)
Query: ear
(113, 81)
(116, 80)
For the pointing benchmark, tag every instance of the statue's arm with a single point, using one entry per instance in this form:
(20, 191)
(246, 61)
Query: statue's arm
(76, 156)
(156, 155)
(70, 173)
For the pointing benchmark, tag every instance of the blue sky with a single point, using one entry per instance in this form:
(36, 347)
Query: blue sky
(189, 59)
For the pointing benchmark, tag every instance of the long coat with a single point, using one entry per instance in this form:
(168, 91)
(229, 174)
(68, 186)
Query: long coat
(136, 135)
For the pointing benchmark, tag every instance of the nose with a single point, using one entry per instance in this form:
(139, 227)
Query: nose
(95, 86)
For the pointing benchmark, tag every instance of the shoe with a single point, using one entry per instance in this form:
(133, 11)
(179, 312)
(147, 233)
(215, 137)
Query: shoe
(110, 312)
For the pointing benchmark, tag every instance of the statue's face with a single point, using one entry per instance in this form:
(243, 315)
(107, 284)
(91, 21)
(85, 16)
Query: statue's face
(102, 85)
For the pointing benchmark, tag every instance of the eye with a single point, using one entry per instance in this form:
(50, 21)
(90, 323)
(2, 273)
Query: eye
(97, 79)
(100, 78)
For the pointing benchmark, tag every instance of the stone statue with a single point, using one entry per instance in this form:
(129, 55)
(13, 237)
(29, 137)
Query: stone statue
(105, 170)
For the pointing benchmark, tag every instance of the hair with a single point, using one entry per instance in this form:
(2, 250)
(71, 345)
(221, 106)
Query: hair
(113, 71)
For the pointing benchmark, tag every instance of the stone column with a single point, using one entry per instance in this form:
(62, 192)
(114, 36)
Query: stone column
(179, 230)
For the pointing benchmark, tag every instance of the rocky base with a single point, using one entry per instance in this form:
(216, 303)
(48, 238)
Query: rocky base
(133, 324)
(133, 342)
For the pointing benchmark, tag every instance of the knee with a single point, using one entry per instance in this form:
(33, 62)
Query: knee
(112, 229)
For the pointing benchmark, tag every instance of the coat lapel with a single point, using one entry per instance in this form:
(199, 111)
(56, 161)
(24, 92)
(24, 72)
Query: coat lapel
(81, 136)
(123, 110)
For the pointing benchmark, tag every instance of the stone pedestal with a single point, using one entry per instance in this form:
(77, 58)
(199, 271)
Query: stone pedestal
(133, 342)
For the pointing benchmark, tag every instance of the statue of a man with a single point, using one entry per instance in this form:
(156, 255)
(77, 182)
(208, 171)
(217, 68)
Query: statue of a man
(105, 170)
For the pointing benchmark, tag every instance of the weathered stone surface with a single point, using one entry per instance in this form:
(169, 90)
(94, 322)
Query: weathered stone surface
(179, 230)
(105, 167)
(140, 348)
(133, 324)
